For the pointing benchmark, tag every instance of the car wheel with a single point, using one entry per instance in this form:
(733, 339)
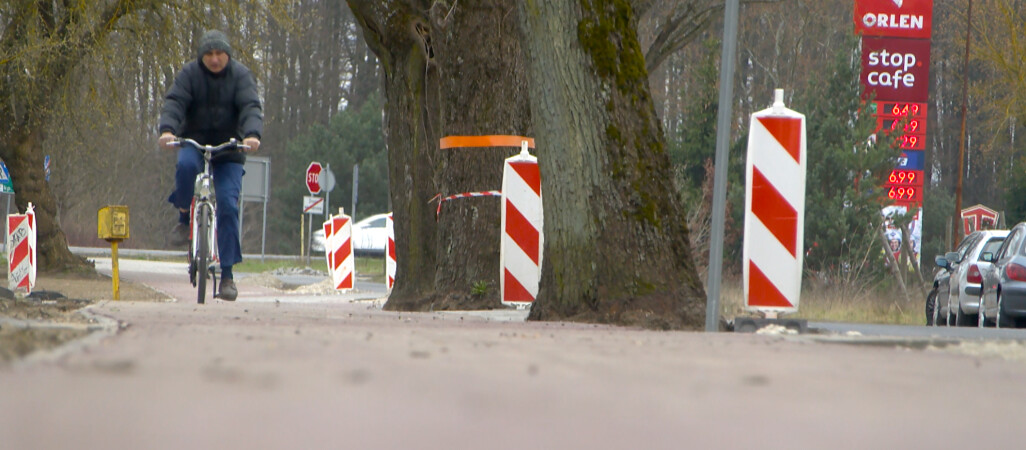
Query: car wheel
(931, 308)
(1002, 320)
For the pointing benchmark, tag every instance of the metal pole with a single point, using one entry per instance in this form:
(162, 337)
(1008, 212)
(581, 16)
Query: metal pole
(263, 228)
(263, 233)
(309, 239)
(712, 289)
(327, 194)
(957, 235)
(115, 273)
(356, 184)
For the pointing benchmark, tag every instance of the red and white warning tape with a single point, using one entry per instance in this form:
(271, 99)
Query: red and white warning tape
(461, 195)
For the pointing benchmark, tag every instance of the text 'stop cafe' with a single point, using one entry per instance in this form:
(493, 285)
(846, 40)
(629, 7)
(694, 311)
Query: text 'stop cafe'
(896, 72)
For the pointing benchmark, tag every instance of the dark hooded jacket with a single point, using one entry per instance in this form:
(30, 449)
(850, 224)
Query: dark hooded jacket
(213, 108)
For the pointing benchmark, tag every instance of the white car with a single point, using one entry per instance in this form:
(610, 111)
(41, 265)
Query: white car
(370, 237)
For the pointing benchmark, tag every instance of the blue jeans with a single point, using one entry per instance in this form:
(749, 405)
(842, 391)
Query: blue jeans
(227, 185)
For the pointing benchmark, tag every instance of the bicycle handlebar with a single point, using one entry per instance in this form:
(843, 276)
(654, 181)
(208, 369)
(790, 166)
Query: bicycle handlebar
(213, 149)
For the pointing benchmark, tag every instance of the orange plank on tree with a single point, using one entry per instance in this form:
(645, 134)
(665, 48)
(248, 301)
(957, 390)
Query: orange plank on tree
(484, 141)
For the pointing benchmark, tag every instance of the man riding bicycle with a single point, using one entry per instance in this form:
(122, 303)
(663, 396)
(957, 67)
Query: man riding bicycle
(213, 99)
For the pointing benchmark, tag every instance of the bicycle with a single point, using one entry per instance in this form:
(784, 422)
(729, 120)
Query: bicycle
(203, 218)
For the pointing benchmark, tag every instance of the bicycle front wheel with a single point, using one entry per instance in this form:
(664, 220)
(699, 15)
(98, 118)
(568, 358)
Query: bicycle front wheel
(202, 236)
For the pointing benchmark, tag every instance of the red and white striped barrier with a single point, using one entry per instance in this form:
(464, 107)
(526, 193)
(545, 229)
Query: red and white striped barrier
(461, 195)
(21, 250)
(390, 253)
(775, 209)
(338, 246)
(520, 250)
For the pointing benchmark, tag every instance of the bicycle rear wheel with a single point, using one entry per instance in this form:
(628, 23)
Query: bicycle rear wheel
(202, 250)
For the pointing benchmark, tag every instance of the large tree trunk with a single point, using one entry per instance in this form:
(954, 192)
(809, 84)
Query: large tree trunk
(455, 71)
(616, 241)
(483, 92)
(412, 134)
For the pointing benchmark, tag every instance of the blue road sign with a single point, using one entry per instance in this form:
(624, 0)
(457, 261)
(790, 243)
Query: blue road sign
(5, 180)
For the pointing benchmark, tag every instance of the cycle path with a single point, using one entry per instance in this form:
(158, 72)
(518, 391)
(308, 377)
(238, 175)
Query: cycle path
(345, 374)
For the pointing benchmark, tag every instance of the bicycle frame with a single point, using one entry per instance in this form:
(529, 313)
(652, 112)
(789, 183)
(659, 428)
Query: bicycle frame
(203, 221)
(205, 200)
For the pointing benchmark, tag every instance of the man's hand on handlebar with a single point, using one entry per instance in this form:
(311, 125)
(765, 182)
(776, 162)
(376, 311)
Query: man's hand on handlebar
(167, 140)
(253, 144)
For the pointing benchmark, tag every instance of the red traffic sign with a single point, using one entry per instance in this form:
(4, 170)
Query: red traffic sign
(313, 178)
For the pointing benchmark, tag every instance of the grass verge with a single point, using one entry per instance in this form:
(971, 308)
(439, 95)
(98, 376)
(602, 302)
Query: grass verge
(366, 266)
(878, 305)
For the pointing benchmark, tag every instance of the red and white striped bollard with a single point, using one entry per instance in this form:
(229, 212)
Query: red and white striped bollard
(775, 210)
(21, 250)
(390, 261)
(338, 248)
(520, 250)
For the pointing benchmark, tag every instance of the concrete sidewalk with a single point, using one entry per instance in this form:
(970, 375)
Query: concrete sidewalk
(260, 374)
(284, 370)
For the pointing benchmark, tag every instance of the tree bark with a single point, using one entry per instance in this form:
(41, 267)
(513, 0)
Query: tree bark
(483, 92)
(412, 134)
(616, 240)
(449, 71)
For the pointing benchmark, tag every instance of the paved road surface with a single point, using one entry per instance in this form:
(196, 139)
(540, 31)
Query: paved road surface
(282, 371)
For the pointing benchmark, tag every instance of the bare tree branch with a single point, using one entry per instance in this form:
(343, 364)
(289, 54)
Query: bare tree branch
(680, 23)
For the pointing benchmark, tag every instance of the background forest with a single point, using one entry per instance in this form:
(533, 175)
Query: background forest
(320, 85)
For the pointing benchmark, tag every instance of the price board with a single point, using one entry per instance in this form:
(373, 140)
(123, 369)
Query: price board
(911, 141)
(905, 177)
(899, 109)
(905, 124)
(905, 195)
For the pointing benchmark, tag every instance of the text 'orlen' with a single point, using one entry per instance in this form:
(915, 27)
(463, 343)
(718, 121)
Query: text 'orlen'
(900, 21)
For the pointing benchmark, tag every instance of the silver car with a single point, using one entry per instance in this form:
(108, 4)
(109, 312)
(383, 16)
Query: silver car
(965, 285)
(937, 299)
(954, 298)
(1003, 300)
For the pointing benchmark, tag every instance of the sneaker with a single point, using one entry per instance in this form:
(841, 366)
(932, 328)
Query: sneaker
(227, 291)
(179, 235)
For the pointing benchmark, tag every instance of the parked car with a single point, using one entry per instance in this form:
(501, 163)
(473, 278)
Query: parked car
(370, 237)
(937, 300)
(1003, 300)
(317, 241)
(967, 277)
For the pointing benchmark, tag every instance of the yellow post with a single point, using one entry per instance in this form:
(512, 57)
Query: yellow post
(114, 269)
(112, 226)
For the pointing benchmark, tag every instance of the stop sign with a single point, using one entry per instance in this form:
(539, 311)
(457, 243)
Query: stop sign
(313, 178)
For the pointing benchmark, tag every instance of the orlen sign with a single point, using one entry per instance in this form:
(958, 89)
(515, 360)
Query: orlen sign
(894, 18)
(896, 69)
